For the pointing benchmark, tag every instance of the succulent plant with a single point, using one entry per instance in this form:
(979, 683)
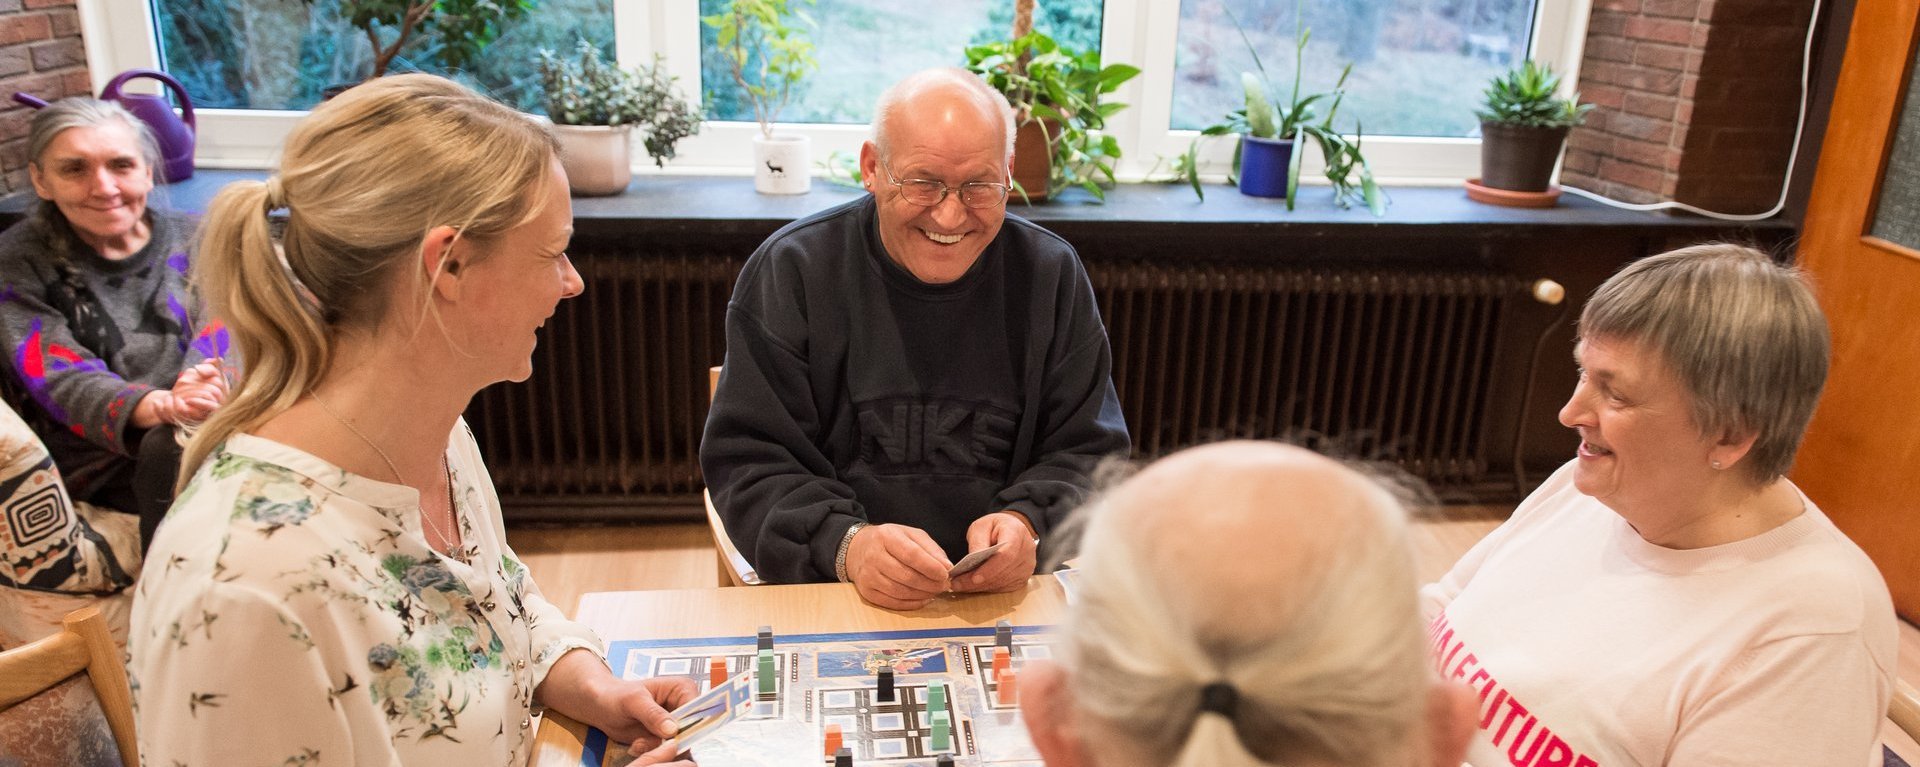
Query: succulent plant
(1525, 96)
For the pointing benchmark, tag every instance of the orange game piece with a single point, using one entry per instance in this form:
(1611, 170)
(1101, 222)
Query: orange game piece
(716, 671)
(833, 740)
(1008, 694)
(1002, 660)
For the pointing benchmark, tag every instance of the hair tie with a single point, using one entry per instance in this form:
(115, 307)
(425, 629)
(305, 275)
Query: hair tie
(275, 196)
(1220, 698)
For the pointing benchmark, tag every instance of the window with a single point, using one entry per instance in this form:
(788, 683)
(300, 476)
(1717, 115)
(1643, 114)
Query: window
(281, 54)
(863, 45)
(1420, 65)
(1416, 63)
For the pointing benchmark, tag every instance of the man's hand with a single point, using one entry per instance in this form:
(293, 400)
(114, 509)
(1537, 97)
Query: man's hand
(1008, 569)
(897, 567)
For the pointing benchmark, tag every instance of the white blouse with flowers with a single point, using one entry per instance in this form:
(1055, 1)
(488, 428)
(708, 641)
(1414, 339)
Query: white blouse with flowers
(292, 613)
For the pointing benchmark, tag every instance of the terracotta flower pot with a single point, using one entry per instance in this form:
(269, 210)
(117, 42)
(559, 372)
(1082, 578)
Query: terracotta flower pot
(1033, 158)
(1518, 158)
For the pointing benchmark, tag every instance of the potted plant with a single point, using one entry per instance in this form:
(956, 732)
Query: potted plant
(1523, 126)
(463, 28)
(1266, 163)
(768, 57)
(595, 106)
(1055, 93)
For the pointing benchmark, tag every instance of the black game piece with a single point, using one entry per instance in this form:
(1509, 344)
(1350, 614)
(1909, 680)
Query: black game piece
(843, 758)
(766, 638)
(1003, 635)
(944, 760)
(885, 694)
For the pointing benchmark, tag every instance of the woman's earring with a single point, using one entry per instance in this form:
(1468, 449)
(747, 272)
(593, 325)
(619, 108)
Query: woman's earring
(1716, 465)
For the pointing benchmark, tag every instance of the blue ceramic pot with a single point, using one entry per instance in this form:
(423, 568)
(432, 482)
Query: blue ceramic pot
(1263, 166)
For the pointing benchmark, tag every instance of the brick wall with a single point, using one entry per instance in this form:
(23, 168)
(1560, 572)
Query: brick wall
(1695, 100)
(40, 53)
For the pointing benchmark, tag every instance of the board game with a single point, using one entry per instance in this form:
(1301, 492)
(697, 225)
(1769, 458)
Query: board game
(945, 682)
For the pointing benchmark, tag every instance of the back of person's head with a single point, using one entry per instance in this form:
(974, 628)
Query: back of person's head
(1744, 334)
(1242, 603)
(362, 180)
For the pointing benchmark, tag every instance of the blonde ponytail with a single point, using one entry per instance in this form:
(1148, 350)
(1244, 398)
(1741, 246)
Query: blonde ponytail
(281, 341)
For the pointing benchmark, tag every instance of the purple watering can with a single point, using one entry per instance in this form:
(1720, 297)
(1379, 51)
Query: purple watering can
(174, 133)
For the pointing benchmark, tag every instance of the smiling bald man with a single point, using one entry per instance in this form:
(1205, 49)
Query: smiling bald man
(914, 375)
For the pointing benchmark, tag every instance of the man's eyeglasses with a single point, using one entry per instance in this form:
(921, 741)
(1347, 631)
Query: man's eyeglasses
(928, 193)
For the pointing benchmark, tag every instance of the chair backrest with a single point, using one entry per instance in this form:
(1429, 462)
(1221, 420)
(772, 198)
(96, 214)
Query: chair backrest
(1904, 709)
(83, 644)
(734, 568)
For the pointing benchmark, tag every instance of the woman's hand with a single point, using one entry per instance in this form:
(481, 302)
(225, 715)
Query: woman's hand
(638, 710)
(580, 686)
(196, 393)
(199, 391)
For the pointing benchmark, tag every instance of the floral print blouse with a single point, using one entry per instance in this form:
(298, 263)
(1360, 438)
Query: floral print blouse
(291, 613)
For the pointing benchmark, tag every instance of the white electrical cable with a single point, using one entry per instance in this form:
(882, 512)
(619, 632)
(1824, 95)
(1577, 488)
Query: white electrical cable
(1806, 67)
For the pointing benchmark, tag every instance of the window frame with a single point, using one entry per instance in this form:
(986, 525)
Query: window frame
(122, 35)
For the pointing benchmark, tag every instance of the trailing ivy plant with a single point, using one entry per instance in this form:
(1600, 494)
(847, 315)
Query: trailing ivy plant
(586, 89)
(1062, 88)
(767, 55)
(1296, 118)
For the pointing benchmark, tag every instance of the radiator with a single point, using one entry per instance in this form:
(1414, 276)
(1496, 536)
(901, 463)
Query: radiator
(1389, 365)
(613, 412)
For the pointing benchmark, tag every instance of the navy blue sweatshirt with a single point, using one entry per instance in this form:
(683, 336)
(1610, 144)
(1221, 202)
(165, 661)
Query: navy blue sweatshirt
(852, 391)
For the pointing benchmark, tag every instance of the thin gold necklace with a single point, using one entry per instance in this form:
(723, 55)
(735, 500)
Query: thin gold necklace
(451, 543)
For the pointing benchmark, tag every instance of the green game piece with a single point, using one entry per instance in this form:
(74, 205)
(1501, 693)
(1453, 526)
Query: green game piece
(765, 672)
(942, 731)
(937, 696)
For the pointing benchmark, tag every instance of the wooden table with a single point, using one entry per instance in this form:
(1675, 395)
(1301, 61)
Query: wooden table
(805, 609)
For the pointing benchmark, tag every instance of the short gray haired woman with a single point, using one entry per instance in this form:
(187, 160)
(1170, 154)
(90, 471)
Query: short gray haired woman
(335, 585)
(96, 317)
(1243, 603)
(1669, 596)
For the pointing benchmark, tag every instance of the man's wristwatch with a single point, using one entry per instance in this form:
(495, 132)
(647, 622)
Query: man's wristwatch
(840, 558)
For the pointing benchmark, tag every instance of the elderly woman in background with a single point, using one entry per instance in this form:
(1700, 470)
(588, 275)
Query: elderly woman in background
(1244, 603)
(336, 586)
(95, 313)
(1669, 597)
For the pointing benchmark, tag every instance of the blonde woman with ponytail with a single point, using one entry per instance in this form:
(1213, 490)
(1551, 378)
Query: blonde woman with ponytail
(334, 585)
(1244, 603)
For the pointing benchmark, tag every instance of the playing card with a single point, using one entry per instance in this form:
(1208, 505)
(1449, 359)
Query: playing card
(704, 715)
(972, 561)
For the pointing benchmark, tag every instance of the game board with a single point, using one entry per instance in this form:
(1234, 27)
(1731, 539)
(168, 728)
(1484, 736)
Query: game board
(831, 679)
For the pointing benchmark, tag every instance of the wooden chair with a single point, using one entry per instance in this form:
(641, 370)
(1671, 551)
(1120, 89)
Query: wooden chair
(734, 569)
(1904, 709)
(84, 644)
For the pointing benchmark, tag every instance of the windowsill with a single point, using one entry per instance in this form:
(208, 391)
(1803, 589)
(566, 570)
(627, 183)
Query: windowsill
(721, 204)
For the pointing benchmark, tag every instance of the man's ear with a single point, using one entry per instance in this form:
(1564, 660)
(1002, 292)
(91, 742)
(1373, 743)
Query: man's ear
(440, 261)
(869, 165)
(1452, 712)
(1047, 707)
